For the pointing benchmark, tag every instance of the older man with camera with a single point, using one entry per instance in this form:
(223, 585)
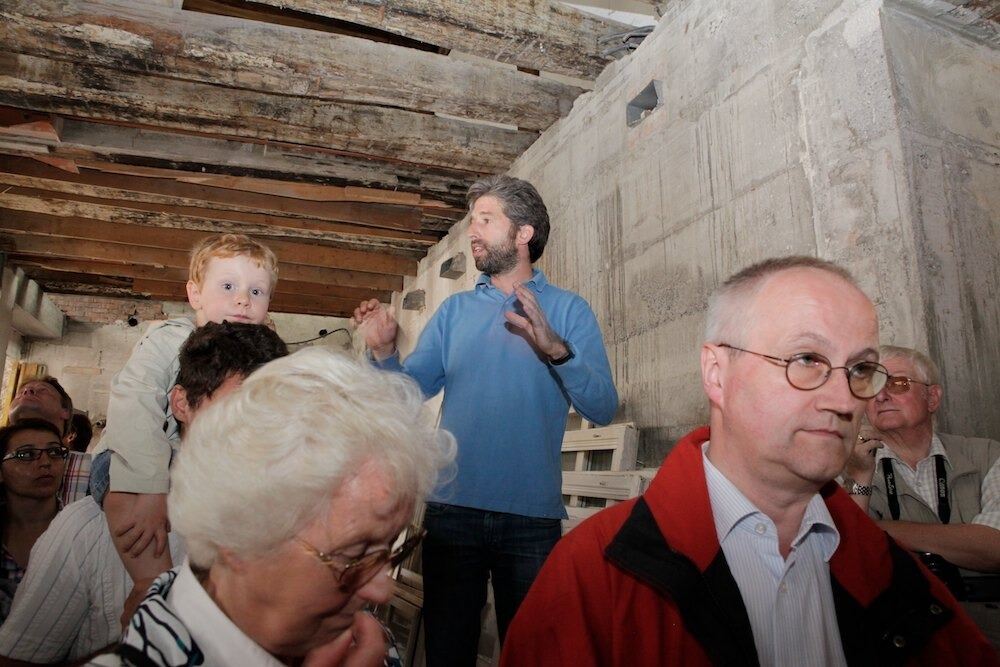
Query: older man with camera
(937, 494)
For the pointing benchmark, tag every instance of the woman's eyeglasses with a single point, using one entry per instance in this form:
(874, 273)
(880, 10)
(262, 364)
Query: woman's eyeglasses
(353, 573)
(34, 453)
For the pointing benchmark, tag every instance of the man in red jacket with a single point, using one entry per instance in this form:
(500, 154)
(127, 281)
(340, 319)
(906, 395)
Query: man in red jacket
(743, 551)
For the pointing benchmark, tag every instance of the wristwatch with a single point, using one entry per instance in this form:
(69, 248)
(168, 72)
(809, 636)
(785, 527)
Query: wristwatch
(855, 489)
(563, 359)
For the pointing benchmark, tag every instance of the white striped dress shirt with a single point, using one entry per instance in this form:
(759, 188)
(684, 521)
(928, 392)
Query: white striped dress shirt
(789, 601)
(70, 601)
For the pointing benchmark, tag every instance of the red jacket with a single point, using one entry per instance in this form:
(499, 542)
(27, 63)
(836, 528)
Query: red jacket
(646, 583)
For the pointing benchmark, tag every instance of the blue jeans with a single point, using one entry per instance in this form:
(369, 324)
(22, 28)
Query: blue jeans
(464, 548)
(100, 476)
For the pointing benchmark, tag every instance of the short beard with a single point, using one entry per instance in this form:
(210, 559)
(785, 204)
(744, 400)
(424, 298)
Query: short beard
(499, 259)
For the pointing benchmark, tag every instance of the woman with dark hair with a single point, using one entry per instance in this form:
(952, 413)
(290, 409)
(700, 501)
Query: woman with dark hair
(31, 470)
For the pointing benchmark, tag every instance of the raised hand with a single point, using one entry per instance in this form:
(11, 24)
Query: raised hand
(378, 326)
(861, 464)
(535, 326)
(361, 645)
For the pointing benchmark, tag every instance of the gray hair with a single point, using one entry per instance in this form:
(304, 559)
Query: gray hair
(924, 365)
(262, 464)
(728, 317)
(520, 202)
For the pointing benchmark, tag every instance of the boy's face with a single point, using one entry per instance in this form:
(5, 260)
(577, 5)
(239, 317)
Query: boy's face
(234, 289)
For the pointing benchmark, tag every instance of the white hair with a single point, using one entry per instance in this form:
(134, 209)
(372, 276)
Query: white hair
(262, 464)
(927, 370)
(730, 316)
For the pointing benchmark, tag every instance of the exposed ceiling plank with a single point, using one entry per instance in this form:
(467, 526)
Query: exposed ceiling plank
(535, 34)
(80, 221)
(124, 276)
(238, 53)
(280, 303)
(42, 275)
(335, 234)
(82, 90)
(101, 141)
(166, 191)
(115, 253)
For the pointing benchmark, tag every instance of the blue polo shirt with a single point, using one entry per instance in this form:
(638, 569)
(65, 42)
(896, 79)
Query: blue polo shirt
(503, 402)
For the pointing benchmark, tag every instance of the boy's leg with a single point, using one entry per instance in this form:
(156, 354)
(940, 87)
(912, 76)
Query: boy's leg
(138, 524)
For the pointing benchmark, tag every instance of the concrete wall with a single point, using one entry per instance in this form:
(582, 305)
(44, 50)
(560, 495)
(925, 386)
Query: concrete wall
(98, 341)
(778, 132)
(947, 89)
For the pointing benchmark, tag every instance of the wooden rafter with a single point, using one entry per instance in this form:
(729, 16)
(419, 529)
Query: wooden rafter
(77, 89)
(84, 140)
(42, 247)
(136, 277)
(404, 221)
(63, 220)
(534, 34)
(236, 53)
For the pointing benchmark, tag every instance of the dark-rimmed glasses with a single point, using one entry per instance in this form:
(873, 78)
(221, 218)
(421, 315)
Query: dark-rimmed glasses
(808, 371)
(353, 573)
(26, 454)
(900, 384)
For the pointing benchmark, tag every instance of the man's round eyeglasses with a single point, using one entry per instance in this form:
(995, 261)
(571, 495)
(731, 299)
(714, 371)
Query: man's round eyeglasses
(808, 371)
(353, 573)
(34, 453)
(900, 384)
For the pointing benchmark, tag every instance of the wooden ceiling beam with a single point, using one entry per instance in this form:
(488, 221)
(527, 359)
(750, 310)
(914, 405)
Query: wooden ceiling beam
(534, 34)
(168, 191)
(125, 275)
(82, 90)
(141, 146)
(104, 223)
(281, 60)
(279, 304)
(280, 301)
(334, 234)
(41, 247)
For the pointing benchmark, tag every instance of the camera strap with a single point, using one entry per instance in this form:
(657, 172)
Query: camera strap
(941, 489)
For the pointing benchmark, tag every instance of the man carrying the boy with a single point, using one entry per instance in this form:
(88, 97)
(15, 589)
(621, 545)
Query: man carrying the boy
(231, 279)
(511, 355)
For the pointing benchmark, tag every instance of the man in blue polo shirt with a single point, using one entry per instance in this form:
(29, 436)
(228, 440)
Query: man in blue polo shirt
(511, 356)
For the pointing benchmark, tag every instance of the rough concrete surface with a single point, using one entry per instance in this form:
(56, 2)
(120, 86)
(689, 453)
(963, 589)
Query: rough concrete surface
(947, 87)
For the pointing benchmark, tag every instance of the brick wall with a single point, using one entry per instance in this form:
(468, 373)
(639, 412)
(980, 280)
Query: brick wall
(105, 310)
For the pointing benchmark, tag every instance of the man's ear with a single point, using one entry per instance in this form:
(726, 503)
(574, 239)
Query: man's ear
(714, 361)
(194, 294)
(179, 405)
(524, 234)
(934, 395)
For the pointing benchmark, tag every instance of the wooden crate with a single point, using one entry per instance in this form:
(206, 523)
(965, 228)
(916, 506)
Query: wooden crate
(605, 448)
(590, 492)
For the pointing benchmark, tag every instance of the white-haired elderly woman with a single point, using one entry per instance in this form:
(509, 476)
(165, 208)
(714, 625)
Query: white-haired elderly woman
(290, 494)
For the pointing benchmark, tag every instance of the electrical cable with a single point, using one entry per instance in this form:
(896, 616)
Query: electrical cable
(323, 333)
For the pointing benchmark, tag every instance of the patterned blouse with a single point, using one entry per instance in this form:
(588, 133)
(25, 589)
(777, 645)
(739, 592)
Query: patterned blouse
(157, 636)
